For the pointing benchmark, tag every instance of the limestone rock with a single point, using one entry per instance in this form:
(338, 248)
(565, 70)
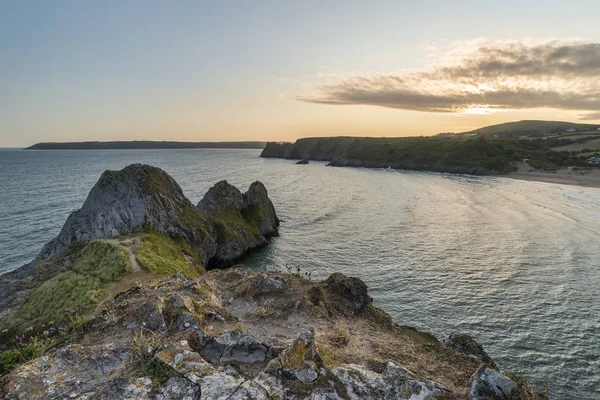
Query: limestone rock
(261, 210)
(234, 347)
(123, 388)
(298, 361)
(487, 383)
(465, 344)
(136, 197)
(149, 316)
(242, 221)
(222, 197)
(394, 383)
(347, 294)
(178, 388)
(187, 322)
(72, 369)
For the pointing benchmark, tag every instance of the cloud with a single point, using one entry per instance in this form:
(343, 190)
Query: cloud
(494, 76)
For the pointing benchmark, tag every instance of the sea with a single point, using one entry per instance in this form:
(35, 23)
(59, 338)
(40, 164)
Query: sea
(516, 264)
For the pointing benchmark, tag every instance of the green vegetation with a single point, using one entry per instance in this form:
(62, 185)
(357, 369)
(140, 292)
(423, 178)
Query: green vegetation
(158, 371)
(93, 265)
(102, 260)
(474, 155)
(10, 359)
(527, 126)
(159, 254)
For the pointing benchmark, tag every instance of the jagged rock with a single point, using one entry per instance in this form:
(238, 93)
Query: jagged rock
(264, 284)
(260, 209)
(72, 369)
(298, 361)
(467, 345)
(222, 197)
(233, 346)
(394, 383)
(123, 388)
(347, 294)
(182, 302)
(178, 388)
(488, 383)
(187, 322)
(136, 197)
(149, 315)
(242, 221)
(186, 362)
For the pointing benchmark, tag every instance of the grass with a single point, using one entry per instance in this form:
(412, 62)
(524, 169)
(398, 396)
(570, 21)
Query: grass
(11, 359)
(102, 260)
(94, 265)
(158, 371)
(159, 254)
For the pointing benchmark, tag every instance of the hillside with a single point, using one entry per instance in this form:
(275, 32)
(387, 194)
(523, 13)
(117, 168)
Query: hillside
(144, 144)
(476, 156)
(531, 126)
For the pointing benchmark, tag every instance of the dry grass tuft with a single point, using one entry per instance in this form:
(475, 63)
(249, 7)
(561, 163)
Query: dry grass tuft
(339, 336)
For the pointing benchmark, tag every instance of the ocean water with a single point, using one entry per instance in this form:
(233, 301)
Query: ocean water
(514, 263)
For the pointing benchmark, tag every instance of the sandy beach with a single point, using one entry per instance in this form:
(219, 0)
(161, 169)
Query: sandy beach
(589, 177)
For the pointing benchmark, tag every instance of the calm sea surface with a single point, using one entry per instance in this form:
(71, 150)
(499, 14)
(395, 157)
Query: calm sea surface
(514, 263)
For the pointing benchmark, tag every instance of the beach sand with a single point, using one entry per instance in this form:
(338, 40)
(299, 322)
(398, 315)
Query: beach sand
(589, 177)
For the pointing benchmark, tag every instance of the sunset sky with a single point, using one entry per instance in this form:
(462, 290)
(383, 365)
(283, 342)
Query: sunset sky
(280, 70)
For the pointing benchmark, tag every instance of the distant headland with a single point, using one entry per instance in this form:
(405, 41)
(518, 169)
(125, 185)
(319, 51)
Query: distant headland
(144, 144)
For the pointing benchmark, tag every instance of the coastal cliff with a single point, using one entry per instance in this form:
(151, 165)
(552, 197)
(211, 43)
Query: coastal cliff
(475, 156)
(121, 305)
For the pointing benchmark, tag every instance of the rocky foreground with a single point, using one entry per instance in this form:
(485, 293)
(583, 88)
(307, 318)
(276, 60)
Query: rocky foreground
(120, 306)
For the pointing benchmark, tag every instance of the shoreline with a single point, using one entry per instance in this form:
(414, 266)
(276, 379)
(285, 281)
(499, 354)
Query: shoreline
(564, 176)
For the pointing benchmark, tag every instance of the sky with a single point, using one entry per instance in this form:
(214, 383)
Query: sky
(281, 70)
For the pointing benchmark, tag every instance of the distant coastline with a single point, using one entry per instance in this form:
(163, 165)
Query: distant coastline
(144, 144)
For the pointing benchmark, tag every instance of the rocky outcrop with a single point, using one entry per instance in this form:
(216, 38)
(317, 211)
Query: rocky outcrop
(488, 383)
(467, 345)
(135, 198)
(139, 200)
(293, 353)
(242, 221)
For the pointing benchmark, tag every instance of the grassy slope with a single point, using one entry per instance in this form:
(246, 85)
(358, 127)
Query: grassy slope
(159, 254)
(90, 269)
(530, 125)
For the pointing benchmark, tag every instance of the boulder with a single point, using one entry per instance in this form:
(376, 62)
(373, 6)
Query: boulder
(465, 344)
(346, 294)
(149, 316)
(488, 383)
(302, 162)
